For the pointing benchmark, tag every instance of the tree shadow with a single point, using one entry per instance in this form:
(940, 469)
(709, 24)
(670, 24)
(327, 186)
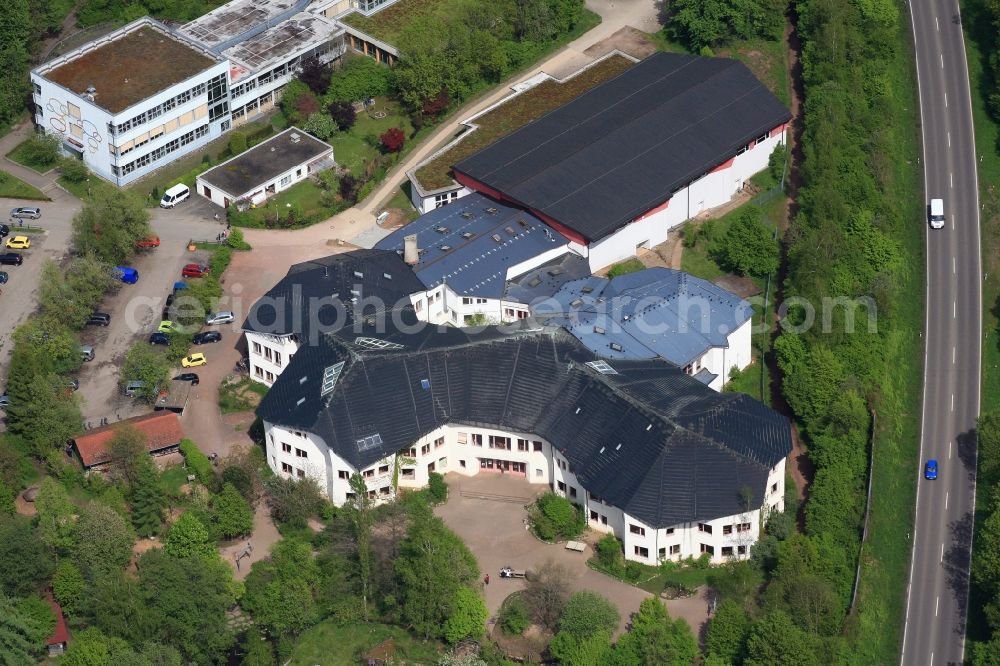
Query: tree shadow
(966, 445)
(956, 565)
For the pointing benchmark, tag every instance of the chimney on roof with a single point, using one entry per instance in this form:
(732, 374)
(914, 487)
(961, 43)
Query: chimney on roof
(411, 254)
(90, 93)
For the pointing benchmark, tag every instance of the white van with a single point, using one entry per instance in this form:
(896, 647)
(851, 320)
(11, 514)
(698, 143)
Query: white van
(174, 196)
(937, 214)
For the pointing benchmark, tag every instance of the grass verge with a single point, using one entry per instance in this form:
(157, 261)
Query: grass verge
(86, 189)
(876, 627)
(978, 46)
(17, 155)
(12, 187)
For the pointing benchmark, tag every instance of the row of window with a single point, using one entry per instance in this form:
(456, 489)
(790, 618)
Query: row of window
(160, 152)
(265, 78)
(299, 453)
(288, 469)
(468, 301)
(445, 199)
(260, 373)
(272, 355)
(168, 127)
(215, 84)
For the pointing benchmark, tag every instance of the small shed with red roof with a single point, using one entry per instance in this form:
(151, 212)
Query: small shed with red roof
(162, 431)
(60, 636)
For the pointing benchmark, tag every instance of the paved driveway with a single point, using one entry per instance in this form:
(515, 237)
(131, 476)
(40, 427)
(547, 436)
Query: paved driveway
(495, 533)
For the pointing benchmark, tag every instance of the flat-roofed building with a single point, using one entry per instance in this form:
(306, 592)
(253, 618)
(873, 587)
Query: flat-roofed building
(265, 42)
(133, 100)
(266, 169)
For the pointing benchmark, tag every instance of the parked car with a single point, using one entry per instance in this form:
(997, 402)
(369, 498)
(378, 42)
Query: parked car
(206, 337)
(127, 274)
(11, 259)
(188, 377)
(148, 243)
(99, 319)
(224, 317)
(73, 384)
(195, 270)
(18, 243)
(174, 196)
(87, 352)
(3, 277)
(133, 387)
(26, 212)
(166, 326)
(4, 230)
(159, 339)
(193, 361)
(931, 470)
(4, 401)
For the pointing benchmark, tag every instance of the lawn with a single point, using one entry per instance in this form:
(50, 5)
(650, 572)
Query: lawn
(876, 627)
(330, 643)
(12, 187)
(17, 155)
(305, 197)
(358, 146)
(401, 201)
(242, 396)
(514, 114)
(86, 189)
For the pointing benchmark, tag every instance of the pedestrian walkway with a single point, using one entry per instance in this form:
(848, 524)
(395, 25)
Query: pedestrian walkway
(45, 182)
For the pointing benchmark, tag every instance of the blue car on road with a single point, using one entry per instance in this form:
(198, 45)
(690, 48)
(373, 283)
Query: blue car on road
(930, 470)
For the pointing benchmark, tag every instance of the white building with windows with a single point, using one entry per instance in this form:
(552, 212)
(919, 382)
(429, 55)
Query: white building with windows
(133, 100)
(667, 465)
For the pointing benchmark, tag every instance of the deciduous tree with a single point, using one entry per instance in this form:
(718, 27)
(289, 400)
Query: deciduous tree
(231, 513)
(392, 140)
(109, 226)
(188, 538)
(103, 541)
(467, 617)
(24, 561)
(55, 513)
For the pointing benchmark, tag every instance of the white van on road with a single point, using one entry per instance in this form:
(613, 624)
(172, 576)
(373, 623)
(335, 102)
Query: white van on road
(937, 213)
(174, 196)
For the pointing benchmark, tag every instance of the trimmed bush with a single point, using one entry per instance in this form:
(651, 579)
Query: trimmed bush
(197, 462)
(555, 517)
(437, 489)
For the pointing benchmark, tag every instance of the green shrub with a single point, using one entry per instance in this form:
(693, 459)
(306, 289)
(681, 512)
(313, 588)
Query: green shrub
(236, 242)
(437, 488)
(367, 189)
(554, 516)
(237, 143)
(629, 266)
(39, 151)
(73, 170)
(197, 462)
(513, 617)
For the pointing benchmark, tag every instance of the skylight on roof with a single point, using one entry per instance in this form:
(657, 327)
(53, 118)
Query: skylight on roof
(425, 384)
(358, 274)
(369, 442)
(534, 282)
(510, 231)
(330, 375)
(496, 237)
(616, 347)
(602, 367)
(599, 330)
(375, 343)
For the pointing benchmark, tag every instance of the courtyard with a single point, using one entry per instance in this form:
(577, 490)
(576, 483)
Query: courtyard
(488, 512)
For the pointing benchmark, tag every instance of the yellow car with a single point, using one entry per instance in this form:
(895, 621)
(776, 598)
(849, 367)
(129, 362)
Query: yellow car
(193, 361)
(18, 242)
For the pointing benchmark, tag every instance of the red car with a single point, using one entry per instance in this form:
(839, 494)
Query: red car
(195, 270)
(148, 243)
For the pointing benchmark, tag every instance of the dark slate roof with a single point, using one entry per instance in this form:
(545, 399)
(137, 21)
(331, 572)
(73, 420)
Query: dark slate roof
(263, 163)
(624, 147)
(657, 312)
(471, 244)
(379, 280)
(651, 440)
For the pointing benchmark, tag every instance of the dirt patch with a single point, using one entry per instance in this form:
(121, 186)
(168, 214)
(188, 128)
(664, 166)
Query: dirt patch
(23, 507)
(743, 287)
(627, 40)
(527, 647)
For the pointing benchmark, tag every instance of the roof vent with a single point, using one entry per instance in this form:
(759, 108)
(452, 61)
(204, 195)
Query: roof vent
(534, 282)
(510, 231)
(555, 270)
(386, 276)
(425, 384)
(587, 290)
(496, 237)
(273, 149)
(91, 93)
(492, 211)
(295, 137)
(599, 330)
(303, 380)
(358, 274)
(300, 401)
(524, 225)
(616, 347)
(468, 234)
(441, 230)
(548, 234)
(577, 410)
(649, 427)
(602, 450)
(618, 447)
(466, 214)
(445, 248)
(575, 303)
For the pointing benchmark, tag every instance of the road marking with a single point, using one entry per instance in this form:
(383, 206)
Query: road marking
(942, 552)
(936, 24)
(946, 501)
(942, 61)
(949, 450)
(952, 402)
(946, 100)
(954, 309)
(953, 265)
(951, 180)
(937, 600)
(953, 356)
(949, 139)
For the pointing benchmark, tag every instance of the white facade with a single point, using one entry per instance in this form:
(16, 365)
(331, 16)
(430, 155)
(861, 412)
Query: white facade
(269, 354)
(713, 189)
(441, 305)
(124, 146)
(467, 450)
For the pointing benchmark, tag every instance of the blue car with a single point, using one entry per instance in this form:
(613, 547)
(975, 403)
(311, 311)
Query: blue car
(930, 470)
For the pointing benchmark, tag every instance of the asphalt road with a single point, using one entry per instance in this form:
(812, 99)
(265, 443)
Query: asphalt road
(937, 595)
